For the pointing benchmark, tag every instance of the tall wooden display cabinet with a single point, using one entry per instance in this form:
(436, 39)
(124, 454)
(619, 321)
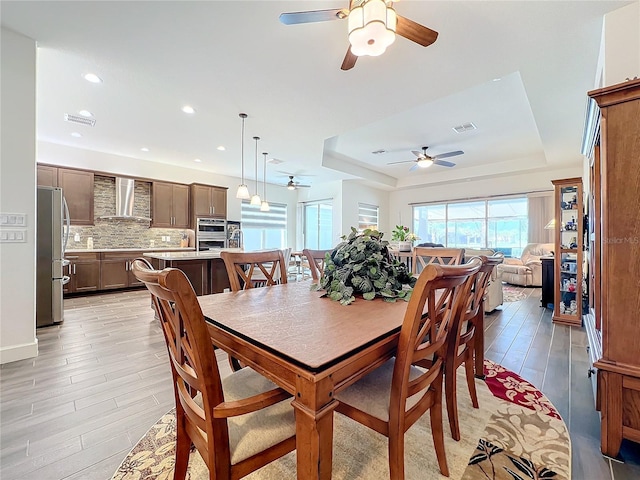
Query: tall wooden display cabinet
(613, 320)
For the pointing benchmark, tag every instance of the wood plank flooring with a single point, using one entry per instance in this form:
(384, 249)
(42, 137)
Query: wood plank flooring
(102, 379)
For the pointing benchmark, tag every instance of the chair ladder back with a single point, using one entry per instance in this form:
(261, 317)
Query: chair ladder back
(250, 269)
(316, 260)
(423, 334)
(423, 256)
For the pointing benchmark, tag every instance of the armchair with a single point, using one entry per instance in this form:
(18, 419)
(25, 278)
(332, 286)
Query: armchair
(525, 271)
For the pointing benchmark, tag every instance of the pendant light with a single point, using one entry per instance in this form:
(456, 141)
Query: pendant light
(255, 199)
(243, 190)
(264, 207)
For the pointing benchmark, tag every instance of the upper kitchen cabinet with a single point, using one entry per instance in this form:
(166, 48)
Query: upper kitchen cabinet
(170, 205)
(47, 176)
(208, 201)
(77, 188)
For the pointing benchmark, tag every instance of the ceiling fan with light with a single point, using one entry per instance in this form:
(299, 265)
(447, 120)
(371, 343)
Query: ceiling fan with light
(423, 160)
(372, 24)
(293, 185)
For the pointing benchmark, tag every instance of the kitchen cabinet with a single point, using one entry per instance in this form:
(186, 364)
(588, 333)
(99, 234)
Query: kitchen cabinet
(208, 201)
(116, 272)
(170, 205)
(47, 176)
(77, 188)
(196, 270)
(83, 272)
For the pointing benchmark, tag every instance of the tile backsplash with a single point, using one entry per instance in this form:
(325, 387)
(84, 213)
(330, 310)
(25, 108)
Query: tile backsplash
(110, 233)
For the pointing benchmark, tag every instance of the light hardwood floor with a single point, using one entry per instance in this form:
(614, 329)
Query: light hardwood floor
(102, 379)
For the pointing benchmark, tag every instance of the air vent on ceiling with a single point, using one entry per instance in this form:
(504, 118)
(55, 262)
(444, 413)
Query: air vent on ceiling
(465, 127)
(379, 152)
(80, 120)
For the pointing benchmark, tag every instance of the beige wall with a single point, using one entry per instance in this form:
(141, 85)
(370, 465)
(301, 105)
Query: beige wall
(621, 45)
(18, 195)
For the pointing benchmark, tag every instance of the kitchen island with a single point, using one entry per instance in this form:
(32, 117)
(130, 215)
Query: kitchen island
(204, 269)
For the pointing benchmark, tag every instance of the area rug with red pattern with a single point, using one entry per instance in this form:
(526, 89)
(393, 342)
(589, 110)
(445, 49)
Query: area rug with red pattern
(516, 434)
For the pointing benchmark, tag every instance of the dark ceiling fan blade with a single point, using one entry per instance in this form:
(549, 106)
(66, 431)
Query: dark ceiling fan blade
(449, 154)
(293, 18)
(404, 161)
(415, 32)
(444, 163)
(349, 60)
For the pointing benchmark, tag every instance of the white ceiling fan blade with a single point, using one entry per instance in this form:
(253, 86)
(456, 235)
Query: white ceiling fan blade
(444, 163)
(449, 154)
(417, 153)
(414, 167)
(293, 18)
(403, 161)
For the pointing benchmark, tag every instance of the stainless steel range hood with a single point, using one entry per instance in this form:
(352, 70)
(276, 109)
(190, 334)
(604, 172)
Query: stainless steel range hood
(125, 188)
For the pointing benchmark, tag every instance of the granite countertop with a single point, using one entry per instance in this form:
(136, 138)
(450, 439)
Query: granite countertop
(192, 255)
(154, 249)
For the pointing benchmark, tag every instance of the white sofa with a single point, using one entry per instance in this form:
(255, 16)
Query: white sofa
(493, 297)
(525, 271)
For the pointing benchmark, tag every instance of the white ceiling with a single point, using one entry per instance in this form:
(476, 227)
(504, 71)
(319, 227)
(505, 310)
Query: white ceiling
(518, 70)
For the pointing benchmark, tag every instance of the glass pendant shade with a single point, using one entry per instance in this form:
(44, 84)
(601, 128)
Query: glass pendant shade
(372, 28)
(255, 200)
(264, 207)
(243, 190)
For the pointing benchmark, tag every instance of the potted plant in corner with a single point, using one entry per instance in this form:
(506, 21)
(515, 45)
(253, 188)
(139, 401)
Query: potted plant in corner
(403, 238)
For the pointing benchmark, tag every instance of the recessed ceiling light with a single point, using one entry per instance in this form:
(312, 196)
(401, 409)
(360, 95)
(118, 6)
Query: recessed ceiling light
(144, 149)
(76, 134)
(93, 78)
(85, 113)
(188, 109)
(197, 160)
(221, 148)
(497, 79)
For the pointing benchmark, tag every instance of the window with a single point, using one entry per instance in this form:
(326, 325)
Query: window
(501, 224)
(318, 223)
(367, 217)
(263, 230)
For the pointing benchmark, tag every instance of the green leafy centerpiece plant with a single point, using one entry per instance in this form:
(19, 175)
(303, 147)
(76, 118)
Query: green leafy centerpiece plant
(361, 264)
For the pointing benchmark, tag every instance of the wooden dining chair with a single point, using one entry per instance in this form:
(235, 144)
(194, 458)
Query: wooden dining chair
(423, 256)
(394, 396)
(255, 269)
(315, 259)
(461, 346)
(238, 424)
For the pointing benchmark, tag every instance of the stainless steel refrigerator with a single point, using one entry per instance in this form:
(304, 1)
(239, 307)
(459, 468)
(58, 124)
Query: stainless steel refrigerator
(52, 235)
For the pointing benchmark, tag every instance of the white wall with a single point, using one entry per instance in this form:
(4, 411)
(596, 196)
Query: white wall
(400, 200)
(621, 38)
(18, 195)
(354, 193)
(104, 162)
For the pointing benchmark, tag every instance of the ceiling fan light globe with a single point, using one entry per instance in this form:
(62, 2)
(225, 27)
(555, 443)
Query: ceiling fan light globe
(255, 200)
(291, 186)
(424, 162)
(243, 192)
(372, 28)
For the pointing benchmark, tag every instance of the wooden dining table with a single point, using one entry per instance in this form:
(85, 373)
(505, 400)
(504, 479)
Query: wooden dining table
(309, 345)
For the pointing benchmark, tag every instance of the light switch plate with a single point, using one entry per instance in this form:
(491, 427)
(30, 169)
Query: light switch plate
(13, 236)
(13, 219)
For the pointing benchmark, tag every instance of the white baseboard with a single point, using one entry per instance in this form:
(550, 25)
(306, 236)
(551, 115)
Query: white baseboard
(14, 353)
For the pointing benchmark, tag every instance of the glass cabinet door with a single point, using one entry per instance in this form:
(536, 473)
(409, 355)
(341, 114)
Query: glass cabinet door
(568, 252)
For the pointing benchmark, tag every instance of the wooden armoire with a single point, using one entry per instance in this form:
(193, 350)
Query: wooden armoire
(613, 319)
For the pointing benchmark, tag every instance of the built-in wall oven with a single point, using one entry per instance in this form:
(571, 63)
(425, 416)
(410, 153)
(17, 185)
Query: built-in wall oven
(211, 233)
